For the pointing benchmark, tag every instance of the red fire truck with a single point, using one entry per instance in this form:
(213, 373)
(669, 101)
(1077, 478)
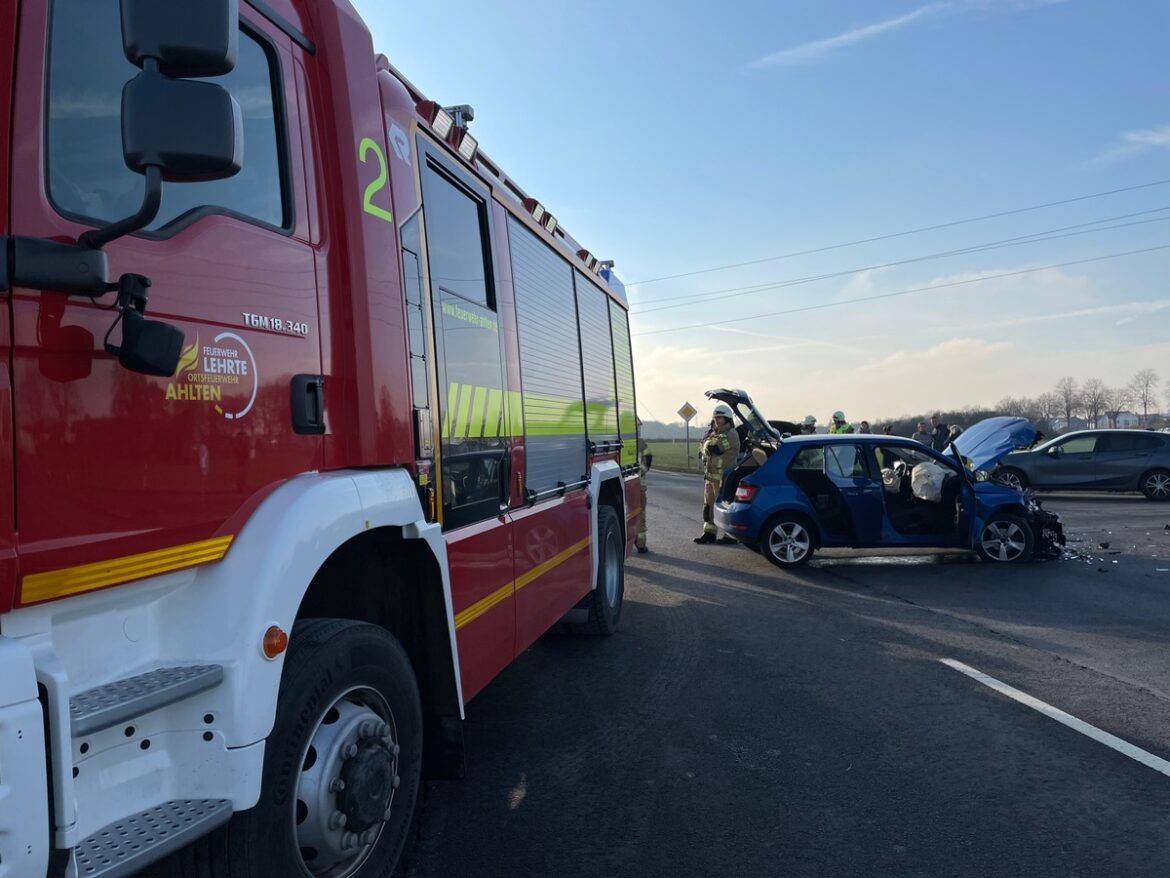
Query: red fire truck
(313, 419)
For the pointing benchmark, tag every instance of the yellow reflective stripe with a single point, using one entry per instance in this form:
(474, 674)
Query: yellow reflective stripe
(475, 428)
(540, 569)
(86, 577)
(514, 421)
(495, 412)
(473, 411)
(484, 604)
(464, 408)
(452, 401)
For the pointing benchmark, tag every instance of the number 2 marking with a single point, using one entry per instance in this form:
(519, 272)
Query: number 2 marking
(367, 144)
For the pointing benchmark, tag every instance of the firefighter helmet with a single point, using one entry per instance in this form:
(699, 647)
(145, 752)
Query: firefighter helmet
(723, 410)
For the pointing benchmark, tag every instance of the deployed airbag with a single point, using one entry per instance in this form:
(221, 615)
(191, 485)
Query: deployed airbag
(926, 481)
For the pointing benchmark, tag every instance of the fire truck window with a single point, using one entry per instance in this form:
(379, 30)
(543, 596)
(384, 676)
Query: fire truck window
(597, 359)
(624, 367)
(474, 430)
(87, 177)
(550, 362)
(455, 239)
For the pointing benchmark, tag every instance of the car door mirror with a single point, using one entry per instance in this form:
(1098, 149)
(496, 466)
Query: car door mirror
(1054, 451)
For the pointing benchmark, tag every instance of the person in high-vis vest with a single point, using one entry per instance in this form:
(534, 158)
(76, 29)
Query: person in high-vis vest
(839, 424)
(645, 458)
(719, 450)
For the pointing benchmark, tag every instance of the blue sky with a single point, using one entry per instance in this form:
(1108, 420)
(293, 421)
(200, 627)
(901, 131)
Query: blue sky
(682, 136)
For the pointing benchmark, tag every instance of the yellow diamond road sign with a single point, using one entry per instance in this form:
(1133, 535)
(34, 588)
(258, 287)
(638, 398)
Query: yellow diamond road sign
(687, 411)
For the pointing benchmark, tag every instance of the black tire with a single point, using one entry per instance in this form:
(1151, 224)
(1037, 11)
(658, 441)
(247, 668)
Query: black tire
(338, 675)
(1156, 484)
(1005, 539)
(1012, 477)
(608, 595)
(788, 540)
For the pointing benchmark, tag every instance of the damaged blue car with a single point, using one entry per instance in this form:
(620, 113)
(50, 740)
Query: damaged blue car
(793, 495)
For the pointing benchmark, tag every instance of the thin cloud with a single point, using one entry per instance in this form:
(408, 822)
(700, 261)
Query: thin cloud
(1136, 142)
(816, 49)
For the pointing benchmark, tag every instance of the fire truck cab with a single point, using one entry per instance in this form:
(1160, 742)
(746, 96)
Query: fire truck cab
(313, 420)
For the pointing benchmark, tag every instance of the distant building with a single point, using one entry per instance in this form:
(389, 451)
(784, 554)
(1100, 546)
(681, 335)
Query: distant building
(1059, 425)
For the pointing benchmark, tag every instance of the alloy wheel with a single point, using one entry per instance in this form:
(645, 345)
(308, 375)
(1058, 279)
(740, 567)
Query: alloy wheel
(789, 542)
(1003, 541)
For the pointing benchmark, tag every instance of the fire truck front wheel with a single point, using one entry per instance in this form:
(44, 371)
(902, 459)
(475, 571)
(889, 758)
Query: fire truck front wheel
(342, 767)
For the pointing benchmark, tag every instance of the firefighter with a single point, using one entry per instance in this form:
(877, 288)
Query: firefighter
(645, 459)
(719, 450)
(840, 425)
(808, 425)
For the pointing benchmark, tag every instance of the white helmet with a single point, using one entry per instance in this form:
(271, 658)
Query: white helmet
(723, 410)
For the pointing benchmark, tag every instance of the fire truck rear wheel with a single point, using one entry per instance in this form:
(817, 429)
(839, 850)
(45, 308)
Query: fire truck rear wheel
(342, 767)
(605, 601)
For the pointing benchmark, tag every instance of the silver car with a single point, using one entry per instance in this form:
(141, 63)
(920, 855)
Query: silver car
(1094, 460)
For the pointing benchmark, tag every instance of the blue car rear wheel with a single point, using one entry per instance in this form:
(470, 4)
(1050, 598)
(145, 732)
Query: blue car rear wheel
(787, 540)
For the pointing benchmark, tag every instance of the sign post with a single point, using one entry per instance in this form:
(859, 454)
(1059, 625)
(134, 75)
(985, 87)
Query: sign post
(687, 412)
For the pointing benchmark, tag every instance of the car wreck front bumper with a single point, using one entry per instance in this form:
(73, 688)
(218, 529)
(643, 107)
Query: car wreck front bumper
(1048, 532)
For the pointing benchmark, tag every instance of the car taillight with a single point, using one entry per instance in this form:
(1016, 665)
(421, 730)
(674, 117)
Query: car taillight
(745, 492)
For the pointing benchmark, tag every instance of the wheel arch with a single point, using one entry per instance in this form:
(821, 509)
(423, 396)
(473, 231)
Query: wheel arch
(290, 561)
(606, 487)
(793, 512)
(387, 579)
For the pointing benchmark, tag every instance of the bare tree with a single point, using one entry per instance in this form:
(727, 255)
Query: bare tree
(1011, 406)
(1145, 391)
(1070, 398)
(1093, 399)
(1117, 400)
(1048, 407)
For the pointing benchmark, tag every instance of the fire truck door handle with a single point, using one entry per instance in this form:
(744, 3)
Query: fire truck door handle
(308, 404)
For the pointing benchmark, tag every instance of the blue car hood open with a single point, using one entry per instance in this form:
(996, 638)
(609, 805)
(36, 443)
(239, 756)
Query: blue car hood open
(984, 444)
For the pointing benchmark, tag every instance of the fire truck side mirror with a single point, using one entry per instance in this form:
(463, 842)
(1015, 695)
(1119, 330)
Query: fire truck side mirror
(188, 130)
(191, 38)
(173, 128)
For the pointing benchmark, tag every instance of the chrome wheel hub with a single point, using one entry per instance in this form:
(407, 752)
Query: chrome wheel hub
(345, 791)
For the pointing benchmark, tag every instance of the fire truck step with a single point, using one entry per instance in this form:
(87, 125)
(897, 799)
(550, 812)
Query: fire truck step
(105, 706)
(130, 845)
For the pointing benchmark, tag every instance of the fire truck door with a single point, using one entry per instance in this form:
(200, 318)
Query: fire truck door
(110, 463)
(472, 459)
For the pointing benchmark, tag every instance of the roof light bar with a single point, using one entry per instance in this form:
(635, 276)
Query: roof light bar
(589, 259)
(535, 208)
(467, 146)
(442, 124)
(439, 119)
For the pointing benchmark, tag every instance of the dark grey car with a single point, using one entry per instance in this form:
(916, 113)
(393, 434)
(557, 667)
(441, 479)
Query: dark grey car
(1094, 460)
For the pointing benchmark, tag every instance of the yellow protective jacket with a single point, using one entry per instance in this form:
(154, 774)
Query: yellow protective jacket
(841, 428)
(719, 450)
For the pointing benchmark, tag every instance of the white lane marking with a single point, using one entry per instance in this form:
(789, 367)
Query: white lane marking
(1124, 747)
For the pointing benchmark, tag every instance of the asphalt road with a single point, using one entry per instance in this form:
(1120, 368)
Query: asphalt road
(747, 721)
